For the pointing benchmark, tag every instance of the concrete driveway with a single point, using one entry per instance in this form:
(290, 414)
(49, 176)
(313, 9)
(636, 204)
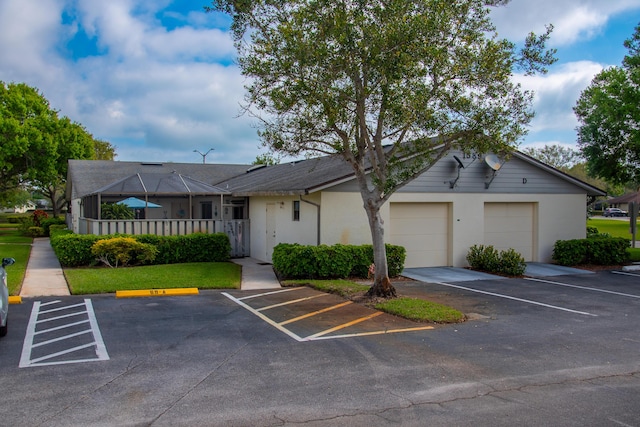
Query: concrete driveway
(458, 274)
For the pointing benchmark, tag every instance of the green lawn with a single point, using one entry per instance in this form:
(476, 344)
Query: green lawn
(617, 228)
(202, 275)
(14, 245)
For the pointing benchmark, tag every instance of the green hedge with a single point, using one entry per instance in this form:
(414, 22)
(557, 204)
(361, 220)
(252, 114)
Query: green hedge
(74, 250)
(47, 223)
(294, 261)
(198, 247)
(597, 250)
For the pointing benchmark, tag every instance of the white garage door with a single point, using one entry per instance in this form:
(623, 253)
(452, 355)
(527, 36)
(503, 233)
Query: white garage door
(423, 229)
(510, 225)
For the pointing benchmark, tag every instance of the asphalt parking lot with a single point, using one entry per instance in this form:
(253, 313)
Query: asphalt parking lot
(554, 351)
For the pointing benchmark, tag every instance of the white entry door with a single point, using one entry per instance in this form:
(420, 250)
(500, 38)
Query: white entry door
(270, 238)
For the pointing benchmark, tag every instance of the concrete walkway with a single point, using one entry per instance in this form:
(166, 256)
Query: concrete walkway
(256, 274)
(44, 275)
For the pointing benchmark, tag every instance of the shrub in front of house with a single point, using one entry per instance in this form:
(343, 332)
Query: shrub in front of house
(74, 250)
(197, 247)
(600, 250)
(35, 232)
(489, 259)
(48, 222)
(123, 251)
(295, 261)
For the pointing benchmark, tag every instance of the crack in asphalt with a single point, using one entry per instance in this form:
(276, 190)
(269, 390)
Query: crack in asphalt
(197, 384)
(493, 391)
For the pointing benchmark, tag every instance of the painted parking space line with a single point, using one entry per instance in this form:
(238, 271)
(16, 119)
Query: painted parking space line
(344, 325)
(315, 313)
(555, 307)
(271, 293)
(294, 301)
(324, 334)
(62, 334)
(382, 332)
(626, 273)
(262, 316)
(586, 288)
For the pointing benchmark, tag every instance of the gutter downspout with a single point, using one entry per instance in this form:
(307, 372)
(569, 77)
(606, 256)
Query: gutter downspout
(317, 205)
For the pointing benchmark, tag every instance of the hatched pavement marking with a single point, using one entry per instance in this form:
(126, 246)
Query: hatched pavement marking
(39, 336)
(322, 335)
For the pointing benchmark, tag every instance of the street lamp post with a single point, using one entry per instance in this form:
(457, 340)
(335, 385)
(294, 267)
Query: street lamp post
(204, 156)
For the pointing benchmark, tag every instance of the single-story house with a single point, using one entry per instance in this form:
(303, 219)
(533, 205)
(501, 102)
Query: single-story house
(462, 200)
(623, 201)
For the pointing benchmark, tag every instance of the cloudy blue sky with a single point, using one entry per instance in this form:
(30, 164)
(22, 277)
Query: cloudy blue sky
(157, 79)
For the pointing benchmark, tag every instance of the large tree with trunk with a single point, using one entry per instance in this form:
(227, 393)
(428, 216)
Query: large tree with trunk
(391, 85)
(609, 115)
(35, 144)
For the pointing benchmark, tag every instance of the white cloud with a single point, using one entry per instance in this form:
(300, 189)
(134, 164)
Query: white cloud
(557, 92)
(573, 20)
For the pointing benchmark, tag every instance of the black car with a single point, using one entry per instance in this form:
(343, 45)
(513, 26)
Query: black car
(615, 212)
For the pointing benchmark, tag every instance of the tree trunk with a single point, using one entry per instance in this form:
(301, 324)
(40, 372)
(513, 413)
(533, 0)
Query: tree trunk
(382, 286)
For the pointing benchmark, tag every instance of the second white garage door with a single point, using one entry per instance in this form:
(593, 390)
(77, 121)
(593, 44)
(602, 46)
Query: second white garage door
(423, 229)
(510, 225)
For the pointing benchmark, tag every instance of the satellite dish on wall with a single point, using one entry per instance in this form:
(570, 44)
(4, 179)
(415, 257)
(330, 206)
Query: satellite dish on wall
(460, 164)
(493, 161)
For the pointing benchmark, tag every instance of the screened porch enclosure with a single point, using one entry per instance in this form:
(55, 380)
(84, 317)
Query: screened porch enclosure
(170, 204)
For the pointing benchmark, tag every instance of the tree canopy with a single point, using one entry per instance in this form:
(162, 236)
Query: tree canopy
(35, 143)
(609, 115)
(390, 85)
(555, 155)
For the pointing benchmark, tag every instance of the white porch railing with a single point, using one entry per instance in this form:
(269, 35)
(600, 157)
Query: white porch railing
(159, 227)
(237, 229)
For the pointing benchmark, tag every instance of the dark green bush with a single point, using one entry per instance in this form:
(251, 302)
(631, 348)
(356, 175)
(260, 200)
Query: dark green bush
(487, 258)
(35, 231)
(74, 250)
(47, 223)
(336, 261)
(569, 252)
(598, 250)
(58, 230)
(197, 247)
(511, 263)
(483, 257)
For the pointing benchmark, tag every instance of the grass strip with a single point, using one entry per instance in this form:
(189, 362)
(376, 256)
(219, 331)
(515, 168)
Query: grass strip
(344, 288)
(201, 275)
(420, 310)
(410, 308)
(15, 272)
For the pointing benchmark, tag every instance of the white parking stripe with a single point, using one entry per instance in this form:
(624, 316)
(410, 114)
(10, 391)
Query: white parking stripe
(583, 287)
(625, 273)
(555, 307)
(263, 317)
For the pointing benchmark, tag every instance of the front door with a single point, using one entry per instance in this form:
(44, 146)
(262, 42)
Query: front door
(270, 238)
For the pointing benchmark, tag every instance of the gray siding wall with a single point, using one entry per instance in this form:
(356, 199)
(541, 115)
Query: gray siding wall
(515, 176)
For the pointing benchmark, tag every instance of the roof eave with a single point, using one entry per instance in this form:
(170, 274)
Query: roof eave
(590, 189)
